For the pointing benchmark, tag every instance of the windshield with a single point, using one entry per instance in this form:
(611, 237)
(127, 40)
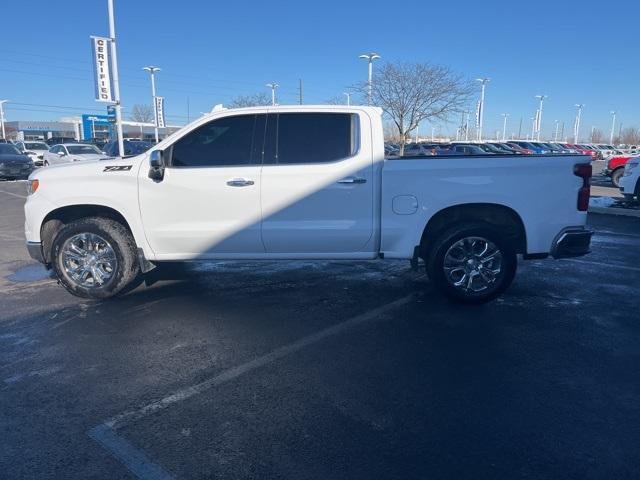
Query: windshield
(7, 149)
(83, 150)
(36, 146)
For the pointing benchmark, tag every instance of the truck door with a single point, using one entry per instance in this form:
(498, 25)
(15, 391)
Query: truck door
(208, 203)
(317, 183)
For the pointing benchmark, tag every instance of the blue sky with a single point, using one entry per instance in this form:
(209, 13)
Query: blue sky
(210, 51)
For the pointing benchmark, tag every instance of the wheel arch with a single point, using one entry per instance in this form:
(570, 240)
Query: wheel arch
(494, 214)
(56, 219)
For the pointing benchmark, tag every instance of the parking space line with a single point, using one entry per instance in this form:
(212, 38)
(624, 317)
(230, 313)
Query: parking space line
(138, 463)
(13, 194)
(603, 264)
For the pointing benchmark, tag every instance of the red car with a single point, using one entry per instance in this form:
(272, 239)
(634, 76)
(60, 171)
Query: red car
(615, 169)
(585, 150)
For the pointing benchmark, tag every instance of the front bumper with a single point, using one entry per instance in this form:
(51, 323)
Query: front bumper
(35, 251)
(15, 172)
(572, 242)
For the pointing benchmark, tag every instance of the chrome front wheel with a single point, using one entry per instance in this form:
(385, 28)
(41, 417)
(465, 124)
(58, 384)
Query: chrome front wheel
(88, 260)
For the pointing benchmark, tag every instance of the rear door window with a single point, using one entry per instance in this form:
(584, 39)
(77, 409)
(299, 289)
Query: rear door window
(300, 138)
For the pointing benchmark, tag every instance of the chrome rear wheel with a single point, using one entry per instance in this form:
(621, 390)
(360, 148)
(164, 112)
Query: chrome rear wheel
(472, 264)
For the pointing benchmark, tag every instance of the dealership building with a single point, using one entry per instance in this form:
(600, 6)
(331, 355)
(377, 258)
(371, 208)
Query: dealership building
(82, 128)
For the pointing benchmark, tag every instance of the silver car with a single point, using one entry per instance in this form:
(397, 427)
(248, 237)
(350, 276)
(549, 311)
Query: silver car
(71, 152)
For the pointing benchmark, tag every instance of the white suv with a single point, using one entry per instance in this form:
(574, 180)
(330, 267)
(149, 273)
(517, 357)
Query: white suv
(630, 180)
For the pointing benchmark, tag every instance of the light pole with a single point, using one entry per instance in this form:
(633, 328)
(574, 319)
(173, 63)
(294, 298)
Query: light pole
(555, 137)
(348, 95)
(116, 78)
(433, 134)
(533, 126)
(576, 128)
(152, 70)
(613, 126)
(504, 126)
(273, 86)
(541, 98)
(370, 57)
(2, 102)
(483, 83)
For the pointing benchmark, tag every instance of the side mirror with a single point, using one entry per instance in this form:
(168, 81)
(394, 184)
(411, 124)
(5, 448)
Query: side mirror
(61, 154)
(156, 165)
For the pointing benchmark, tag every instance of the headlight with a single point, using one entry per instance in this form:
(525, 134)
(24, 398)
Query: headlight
(33, 186)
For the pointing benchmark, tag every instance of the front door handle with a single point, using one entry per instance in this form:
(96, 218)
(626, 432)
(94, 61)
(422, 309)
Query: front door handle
(353, 180)
(240, 182)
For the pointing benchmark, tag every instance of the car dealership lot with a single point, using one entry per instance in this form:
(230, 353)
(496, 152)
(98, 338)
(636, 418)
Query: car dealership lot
(322, 370)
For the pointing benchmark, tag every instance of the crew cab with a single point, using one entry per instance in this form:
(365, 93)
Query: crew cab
(304, 182)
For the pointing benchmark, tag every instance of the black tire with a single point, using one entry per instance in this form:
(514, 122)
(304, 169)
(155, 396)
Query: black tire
(616, 175)
(45, 163)
(435, 262)
(122, 244)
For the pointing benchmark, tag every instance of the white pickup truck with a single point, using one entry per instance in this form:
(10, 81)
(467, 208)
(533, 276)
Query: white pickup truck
(304, 182)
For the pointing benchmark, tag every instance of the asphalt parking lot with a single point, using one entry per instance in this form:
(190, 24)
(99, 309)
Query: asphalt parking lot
(322, 370)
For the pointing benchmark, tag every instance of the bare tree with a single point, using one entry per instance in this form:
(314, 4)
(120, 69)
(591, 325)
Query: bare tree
(630, 136)
(142, 113)
(412, 92)
(337, 100)
(597, 136)
(255, 100)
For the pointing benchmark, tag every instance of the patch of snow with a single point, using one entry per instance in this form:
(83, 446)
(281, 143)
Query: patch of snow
(601, 201)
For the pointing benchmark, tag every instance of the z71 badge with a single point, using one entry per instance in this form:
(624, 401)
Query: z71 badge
(117, 168)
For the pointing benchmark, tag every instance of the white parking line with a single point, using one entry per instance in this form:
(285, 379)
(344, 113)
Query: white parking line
(603, 264)
(140, 465)
(13, 194)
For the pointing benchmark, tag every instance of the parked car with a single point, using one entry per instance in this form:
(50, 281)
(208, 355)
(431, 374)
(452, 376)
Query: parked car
(13, 163)
(131, 147)
(615, 168)
(630, 180)
(71, 152)
(35, 150)
(58, 140)
(98, 142)
(218, 189)
(505, 148)
(529, 146)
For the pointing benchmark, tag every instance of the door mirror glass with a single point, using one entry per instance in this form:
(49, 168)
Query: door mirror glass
(62, 154)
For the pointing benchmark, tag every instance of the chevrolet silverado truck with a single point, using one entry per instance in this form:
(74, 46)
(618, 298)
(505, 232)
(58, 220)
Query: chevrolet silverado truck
(304, 182)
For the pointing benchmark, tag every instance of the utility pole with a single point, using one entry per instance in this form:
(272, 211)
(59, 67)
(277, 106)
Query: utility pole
(348, 94)
(2, 102)
(116, 80)
(576, 129)
(562, 131)
(273, 86)
(539, 126)
(533, 126)
(466, 127)
(483, 83)
(370, 57)
(555, 137)
(520, 129)
(152, 70)
(300, 92)
(613, 126)
(504, 126)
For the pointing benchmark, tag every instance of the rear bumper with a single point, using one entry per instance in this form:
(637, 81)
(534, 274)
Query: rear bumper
(572, 242)
(35, 251)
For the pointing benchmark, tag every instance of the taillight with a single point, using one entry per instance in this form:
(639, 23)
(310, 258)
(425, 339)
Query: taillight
(583, 171)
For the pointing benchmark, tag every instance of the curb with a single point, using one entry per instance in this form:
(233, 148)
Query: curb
(622, 212)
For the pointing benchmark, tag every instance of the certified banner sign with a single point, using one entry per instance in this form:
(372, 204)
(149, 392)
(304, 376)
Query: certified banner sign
(102, 69)
(159, 104)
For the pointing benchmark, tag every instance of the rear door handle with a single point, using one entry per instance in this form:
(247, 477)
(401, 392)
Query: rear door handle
(240, 182)
(353, 180)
